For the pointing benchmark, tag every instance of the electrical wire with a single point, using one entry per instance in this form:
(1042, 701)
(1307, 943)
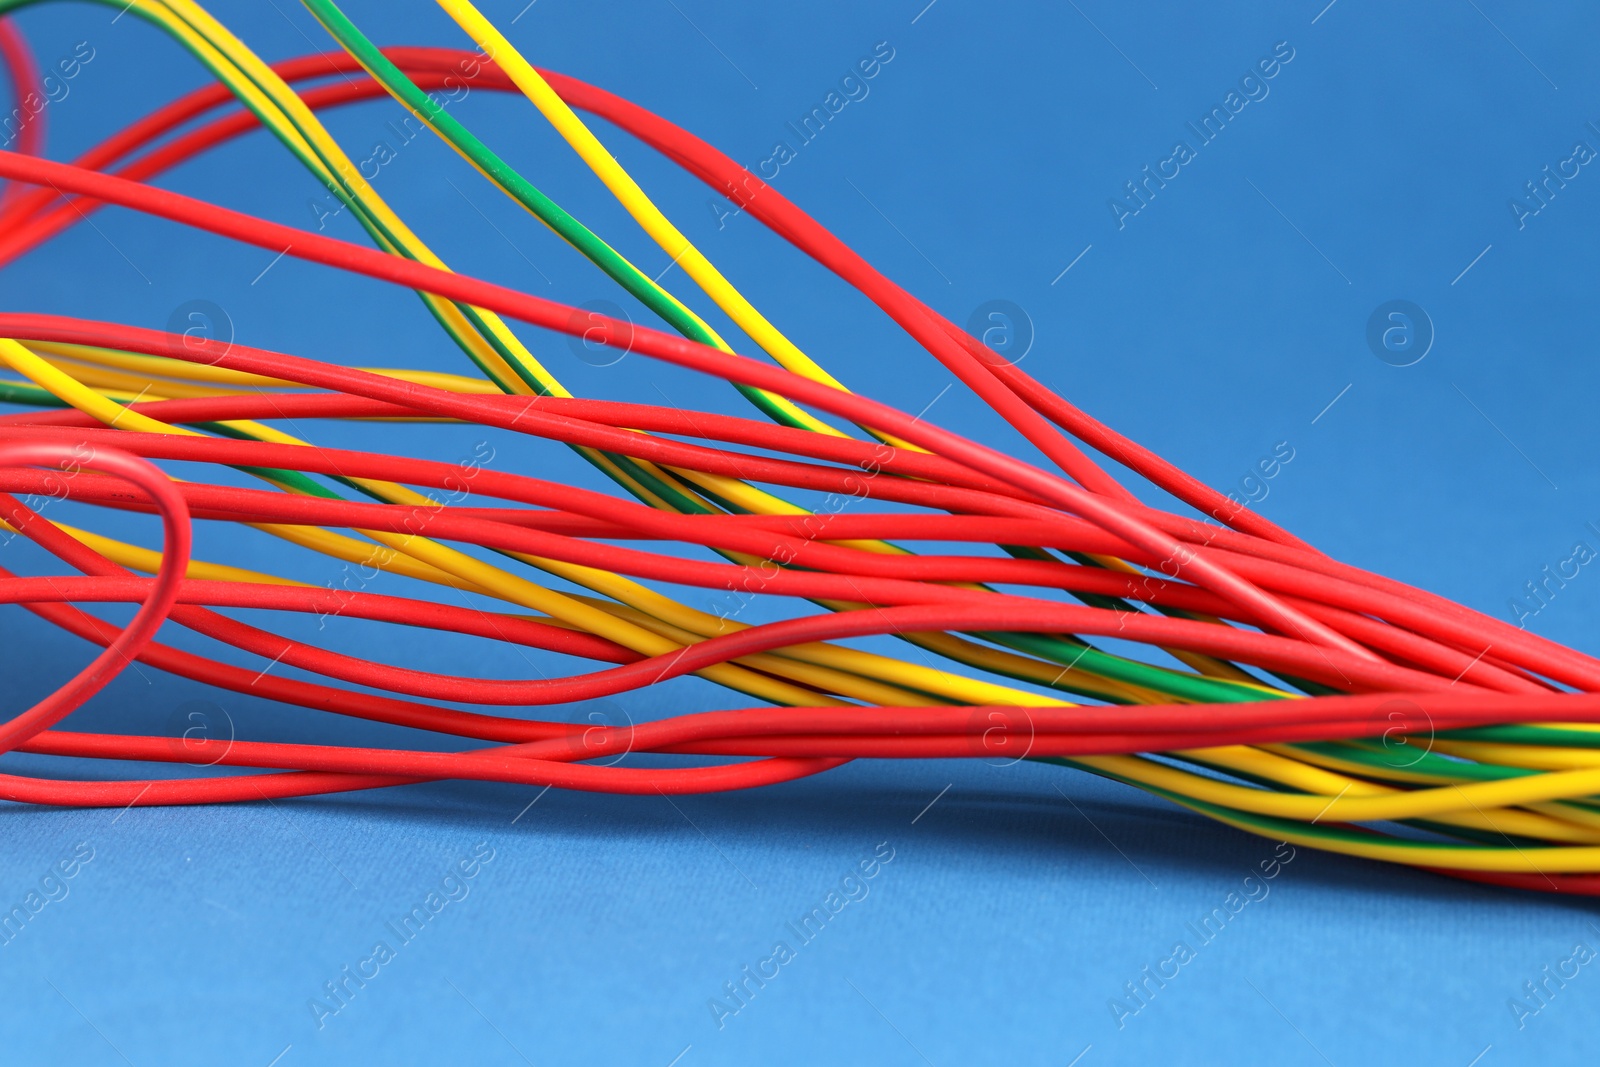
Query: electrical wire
(1283, 693)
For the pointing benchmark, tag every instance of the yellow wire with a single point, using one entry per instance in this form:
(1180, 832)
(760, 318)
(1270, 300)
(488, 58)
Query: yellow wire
(1413, 804)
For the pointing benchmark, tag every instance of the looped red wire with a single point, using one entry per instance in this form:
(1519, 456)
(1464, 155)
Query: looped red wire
(157, 606)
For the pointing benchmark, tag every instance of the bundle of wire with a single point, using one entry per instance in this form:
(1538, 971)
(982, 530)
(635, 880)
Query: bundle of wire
(1313, 702)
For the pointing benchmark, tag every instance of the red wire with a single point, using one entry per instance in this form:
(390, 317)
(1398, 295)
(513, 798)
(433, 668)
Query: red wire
(159, 597)
(854, 579)
(1110, 515)
(443, 61)
(25, 83)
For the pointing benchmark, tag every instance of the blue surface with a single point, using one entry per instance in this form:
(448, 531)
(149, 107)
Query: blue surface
(1224, 317)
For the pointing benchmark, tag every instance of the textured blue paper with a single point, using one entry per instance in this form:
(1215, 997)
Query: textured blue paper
(1228, 315)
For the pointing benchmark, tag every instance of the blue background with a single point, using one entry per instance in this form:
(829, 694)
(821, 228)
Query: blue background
(1221, 319)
